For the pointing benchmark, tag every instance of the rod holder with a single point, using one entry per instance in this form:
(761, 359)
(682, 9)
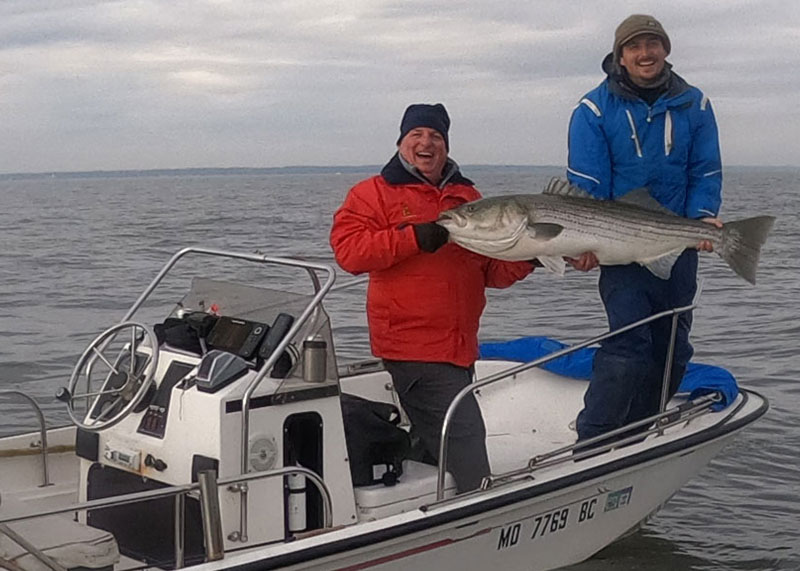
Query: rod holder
(209, 509)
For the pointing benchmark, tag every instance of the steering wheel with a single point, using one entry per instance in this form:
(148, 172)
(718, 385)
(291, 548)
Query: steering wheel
(127, 376)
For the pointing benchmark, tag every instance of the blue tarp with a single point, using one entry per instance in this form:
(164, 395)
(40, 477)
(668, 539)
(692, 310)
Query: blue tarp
(699, 379)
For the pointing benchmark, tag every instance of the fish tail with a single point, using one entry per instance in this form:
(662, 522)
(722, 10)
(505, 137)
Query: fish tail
(741, 243)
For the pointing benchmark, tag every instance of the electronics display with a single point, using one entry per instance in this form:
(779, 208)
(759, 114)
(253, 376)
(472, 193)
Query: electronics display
(232, 345)
(253, 340)
(276, 333)
(237, 336)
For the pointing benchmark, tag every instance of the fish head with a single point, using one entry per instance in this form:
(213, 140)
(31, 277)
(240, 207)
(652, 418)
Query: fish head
(487, 226)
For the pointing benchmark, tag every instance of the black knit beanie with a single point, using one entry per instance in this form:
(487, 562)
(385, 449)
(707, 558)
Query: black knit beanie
(423, 115)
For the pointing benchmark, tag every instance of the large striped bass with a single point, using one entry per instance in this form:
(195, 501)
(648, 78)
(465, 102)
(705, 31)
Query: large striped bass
(567, 221)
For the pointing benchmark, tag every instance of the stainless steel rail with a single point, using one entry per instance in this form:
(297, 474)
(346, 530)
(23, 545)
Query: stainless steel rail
(352, 283)
(662, 420)
(180, 492)
(360, 367)
(311, 309)
(212, 521)
(674, 416)
(42, 432)
(502, 375)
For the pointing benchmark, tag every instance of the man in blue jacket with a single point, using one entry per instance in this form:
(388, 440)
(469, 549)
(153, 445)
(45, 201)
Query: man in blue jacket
(643, 126)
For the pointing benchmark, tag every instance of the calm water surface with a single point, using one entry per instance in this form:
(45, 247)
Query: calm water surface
(76, 252)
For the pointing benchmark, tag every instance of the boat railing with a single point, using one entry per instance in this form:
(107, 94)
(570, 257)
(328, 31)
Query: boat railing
(593, 442)
(206, 488)
(311, 310)
(42, 431)
(660, 421)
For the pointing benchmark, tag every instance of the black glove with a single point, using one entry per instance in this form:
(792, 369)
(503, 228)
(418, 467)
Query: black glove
(430, 236)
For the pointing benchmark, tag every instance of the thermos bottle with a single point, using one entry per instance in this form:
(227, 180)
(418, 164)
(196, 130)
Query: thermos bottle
(315, 359)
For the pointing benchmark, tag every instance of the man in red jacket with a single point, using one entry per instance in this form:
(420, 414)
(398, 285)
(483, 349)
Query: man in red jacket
(425, 295)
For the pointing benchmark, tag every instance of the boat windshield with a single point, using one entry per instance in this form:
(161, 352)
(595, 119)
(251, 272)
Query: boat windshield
(264, 305)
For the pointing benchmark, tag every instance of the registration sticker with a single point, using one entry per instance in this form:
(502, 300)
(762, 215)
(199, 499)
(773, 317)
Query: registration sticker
(618, 499)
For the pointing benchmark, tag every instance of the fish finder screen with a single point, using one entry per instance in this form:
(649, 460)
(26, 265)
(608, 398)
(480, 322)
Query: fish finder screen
(229, 334)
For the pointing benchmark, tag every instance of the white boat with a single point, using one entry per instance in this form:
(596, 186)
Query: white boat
(216, 440)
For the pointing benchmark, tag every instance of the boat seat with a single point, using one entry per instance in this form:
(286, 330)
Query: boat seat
(71, 544)
(415, 487)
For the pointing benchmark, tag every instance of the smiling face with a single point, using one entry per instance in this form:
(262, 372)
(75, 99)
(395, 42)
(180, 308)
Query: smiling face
(643, 56)
(425, 149)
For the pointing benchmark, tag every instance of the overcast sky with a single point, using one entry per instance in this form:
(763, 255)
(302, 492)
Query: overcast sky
(141, 84)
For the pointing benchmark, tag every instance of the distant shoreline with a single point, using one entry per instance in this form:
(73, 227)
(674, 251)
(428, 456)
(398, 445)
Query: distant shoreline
(212, 171)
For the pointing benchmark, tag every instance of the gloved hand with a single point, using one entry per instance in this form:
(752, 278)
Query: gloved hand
(430, 236)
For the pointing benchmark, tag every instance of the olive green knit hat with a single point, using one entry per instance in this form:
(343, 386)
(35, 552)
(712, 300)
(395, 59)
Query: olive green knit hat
(636, 25)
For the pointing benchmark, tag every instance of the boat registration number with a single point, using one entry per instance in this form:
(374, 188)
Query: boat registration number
(554, 521)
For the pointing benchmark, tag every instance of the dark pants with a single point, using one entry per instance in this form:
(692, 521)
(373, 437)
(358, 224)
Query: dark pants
(425, 391)
(628, 369)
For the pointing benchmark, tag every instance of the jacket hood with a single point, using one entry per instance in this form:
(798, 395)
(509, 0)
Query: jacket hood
(397, 171)
(620, 84)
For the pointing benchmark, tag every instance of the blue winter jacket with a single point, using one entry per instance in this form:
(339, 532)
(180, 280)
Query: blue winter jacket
(617, 142)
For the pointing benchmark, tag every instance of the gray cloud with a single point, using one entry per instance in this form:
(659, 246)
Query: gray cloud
(156, 84)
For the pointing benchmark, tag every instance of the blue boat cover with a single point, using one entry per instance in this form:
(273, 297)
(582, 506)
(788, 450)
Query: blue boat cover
(699, 379)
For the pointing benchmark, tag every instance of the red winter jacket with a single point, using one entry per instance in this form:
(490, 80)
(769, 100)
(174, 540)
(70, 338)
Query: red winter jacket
(420, 306)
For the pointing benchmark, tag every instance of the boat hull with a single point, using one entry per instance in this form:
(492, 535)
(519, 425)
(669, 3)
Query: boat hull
(528, 525)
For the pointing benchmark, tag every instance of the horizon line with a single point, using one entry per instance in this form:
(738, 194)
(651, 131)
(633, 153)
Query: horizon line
(285, 169)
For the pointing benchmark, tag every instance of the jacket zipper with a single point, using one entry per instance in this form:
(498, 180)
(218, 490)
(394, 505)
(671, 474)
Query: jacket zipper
(667, 133)
(634, 136)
